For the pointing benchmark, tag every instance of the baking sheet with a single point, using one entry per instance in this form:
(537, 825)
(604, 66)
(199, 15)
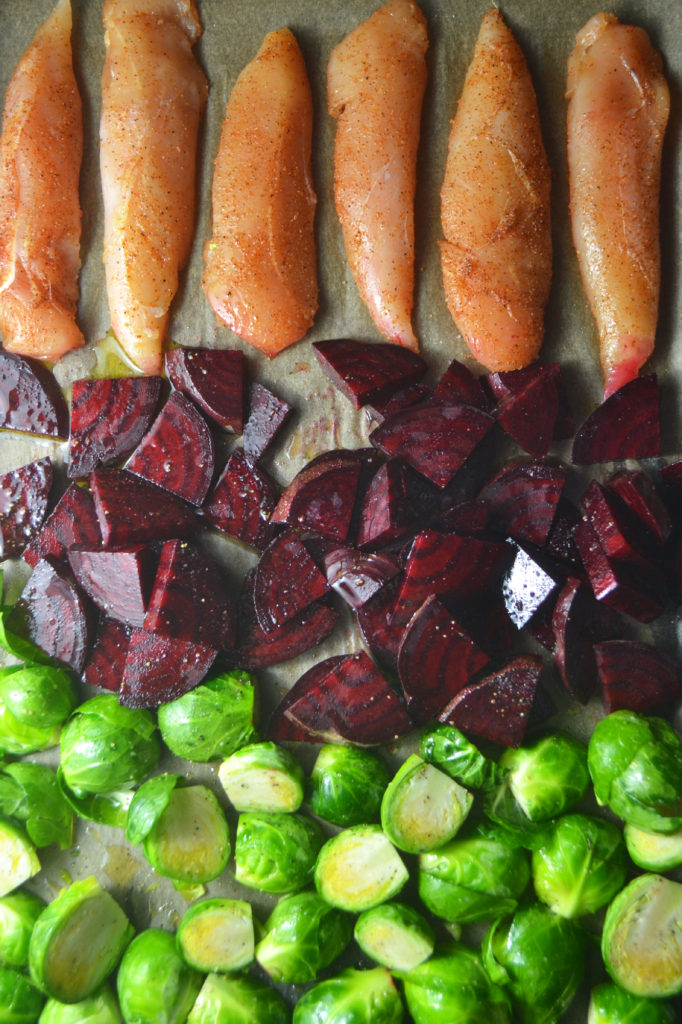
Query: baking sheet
(233, 32)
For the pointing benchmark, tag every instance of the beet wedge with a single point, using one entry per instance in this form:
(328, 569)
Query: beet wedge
(286, 581)
(530, 414)
(213, 379)
(189, 600)
(460, 386)
(177, 453)
(396, 501)
(636, 676)
(356, 576)
(367, 372)
(117, 580)
(31, 401)
(267, 415)
(72, 521)
(608, 517)
(522, 500)
(497, 707)
(508, 383)
(381, 622)
(643, 501)
(242, 502)
(578, 622)
(626, 426)
(106, 661)
(24, 501)
(345, 699)
(436, 660)
(435, 439)
(412, 395)
(131, 510)
(159, 669)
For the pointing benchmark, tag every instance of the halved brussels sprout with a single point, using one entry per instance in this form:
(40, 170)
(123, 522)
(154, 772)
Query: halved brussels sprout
(452, 985)
(30, 793)
(189, 841)
(636, 767)
(106, 746)
(581, 865)
(423, 807)
(395, 936)
(359, 868)
(275, 852)
(42, 696)
(154, 983)
(217, 935)
(238, 1000)
(77, 941)
(474, 878)
(18, 913)
(611, 1004)
(262, 777)
(303, 935)
(20, 1001)
(347, 784)
(212, 720)
(18, 857)
(451, 751)
(99, 1008)
(642, 937)
(352, 997)
(653, 851)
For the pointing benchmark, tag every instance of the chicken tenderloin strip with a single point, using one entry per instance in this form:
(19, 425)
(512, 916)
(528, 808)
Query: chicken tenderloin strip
(617, 114)
(495, 207)
(376, 80)
(153, 96)
(40, 216)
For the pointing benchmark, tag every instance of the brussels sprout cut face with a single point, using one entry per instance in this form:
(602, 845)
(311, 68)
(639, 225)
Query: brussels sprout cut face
(303, 935)
(653, 851)
(189, 841)
(347, 785)
(18, 858)
(453, 986)
(239, 1000)
(154, 983)
(352, 997)
(216, 935)
(610, 1004)
(359, 868)
(262, 777)
(395, 936)
(423, 807)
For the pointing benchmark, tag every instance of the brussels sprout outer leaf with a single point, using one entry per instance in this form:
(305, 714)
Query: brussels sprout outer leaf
(212, 720)
(148, 803)
(39, 695)
(394, 935)
(18, 738)
(611, 1004)
(359, 868)
(104, 808)
(422, 807)
(547, 777)
(452, 985)
(275, 852)
(46, 814)
(347, 784)
(239, 1000)
(352, 997)
(450, 750)
(217, 935)
(77, 941)
(189, 841)
(99, 1008)
(18, 913)
(18, 858)
(262, 777)
(154, 983)
(303, 935)
(20, 1001)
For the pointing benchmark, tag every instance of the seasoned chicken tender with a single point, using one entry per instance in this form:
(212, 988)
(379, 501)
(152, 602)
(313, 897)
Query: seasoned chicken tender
(495, 207)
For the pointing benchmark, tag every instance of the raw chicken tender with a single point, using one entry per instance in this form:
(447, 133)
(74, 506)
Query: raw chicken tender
(497, 253)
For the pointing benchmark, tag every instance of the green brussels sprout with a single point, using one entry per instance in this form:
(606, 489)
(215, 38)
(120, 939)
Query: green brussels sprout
(217, 935)
(42, 696)
(303, 935)
(212, 720)
(154, 984)
(346, 785)
(636, 767)
(450, 750)
(641, 939)
(653, 851)
(148, 803)
(352, 997)
(423, 807)
(99, 1008)
(77, 941)
(18, 857)
(581, 866)
(262, 777)
(474, 878)
(395, 936)
(20, 1001)
(18, 913)
(453, 986)
(238, 1000)
(106, 746)
(275, 852)
(104, 808)
(359, 868)
(30, 793)
(189, 841)
(540, 958)
(19, 738)
(610, 1004)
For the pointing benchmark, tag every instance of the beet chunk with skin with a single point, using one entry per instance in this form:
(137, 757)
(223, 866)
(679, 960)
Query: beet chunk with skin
(24, 501)
(286, 581)
(31, 401)
(367, 372)
(132, 511)
(242, 502)
(72, 521)
(109, 417)
(117, 580)
(625, 426)
(105, 663)
(213, 379)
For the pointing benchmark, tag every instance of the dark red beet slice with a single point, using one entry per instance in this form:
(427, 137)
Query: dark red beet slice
(459, 386)
(626, 426)
(242, 501)
(109, 416)
(529, 415)
(436, 660)
(321, 497)
(258, 649)
(507, 383)
(213, 379)
(560, 543)
(639, 495)
(131, 510)
(497, 708)
(357, 576)
(345, 699)
(267, 415)
(72, 521)
(30, 398)
(189, 600)
(24, 500)
(105, 663)
(435, 439)
(177, 453)
(286, 581)
(118, 580)
(368, 371)
(523, 498)
(381, 625)
(378, 411)
(159, 669)
(55, 615)
(469, 517)
(578, 623)
(396, 501)
(608, 517)
(526, 587)
(636, 676)
(635, 588)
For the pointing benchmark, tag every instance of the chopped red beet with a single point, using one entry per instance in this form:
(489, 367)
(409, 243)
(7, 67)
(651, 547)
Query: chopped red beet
(510, 382)
(523, 498)
(378, 411)
(213, 379)
(470, 517)
(104, 666)
(639, 495)
(131, 510)
(72, 521)
(381, 625)
(368, 372)
(459, 386)
(24, 500)
(118, 580)
(529, 415)
(636, 676)
(30, 398)
(267, 415)
(396, 501)
(177, 452)
(242, 502)
(626, 425)
(159, 669)
(356, 576)
(578, 623)
(286, 581)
